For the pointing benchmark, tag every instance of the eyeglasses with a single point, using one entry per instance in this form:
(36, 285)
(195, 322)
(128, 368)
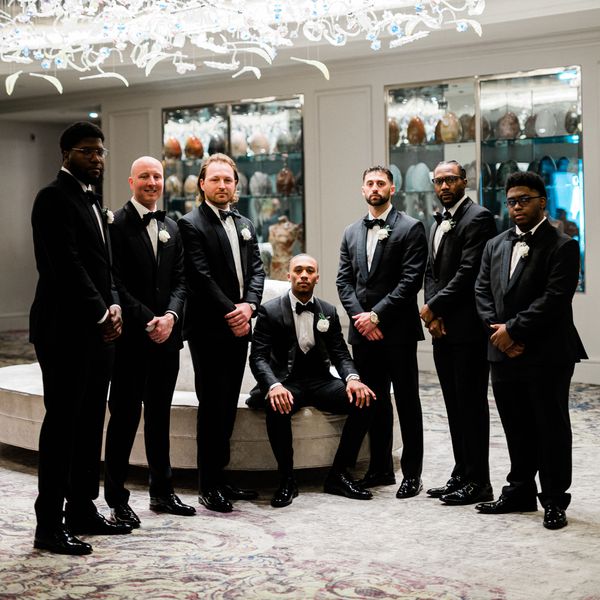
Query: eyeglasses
(521, 201)
(449, 180)
(88, 152)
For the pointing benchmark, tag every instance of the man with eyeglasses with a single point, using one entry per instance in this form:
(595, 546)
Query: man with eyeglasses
(524, 295)
(75, 319)
(456, 243)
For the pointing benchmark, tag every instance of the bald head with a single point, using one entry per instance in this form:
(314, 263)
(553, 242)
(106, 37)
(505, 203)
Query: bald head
(146, 181)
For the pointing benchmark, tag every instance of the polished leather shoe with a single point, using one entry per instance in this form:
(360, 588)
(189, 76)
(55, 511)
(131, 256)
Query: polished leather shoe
(232, 492)
(341, 484)
(213, 499)
(469, 494)
(374, 479)
(95, 524)
(505, 504)
(60, 541)
(287, 491)
(453, 484)
(171, 504)
(410, 486)
(123, 513)
(555, 517)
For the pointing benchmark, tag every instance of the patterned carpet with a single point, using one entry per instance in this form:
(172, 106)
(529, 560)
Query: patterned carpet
(324, 547)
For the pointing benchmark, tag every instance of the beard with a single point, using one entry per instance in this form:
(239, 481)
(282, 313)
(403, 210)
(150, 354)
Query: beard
(377, 199)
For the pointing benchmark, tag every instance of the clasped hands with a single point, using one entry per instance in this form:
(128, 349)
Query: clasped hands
(368, 329)
(435, 325)
(281, 399)
(112, 326)
(239, 319)
(159, 328)
(502, 340)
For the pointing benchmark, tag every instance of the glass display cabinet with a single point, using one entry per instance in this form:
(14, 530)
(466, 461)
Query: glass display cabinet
(264, 137)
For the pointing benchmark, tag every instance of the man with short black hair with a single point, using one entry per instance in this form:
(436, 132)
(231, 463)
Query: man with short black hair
(74, 320)
(524, 296)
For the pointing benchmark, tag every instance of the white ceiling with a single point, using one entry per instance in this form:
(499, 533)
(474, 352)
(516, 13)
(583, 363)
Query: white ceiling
(503, 20)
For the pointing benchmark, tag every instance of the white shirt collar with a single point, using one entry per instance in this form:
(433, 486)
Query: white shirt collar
(216, 209)
(532, 230)
(454, 208)
(85, 187)
(382, 216)
(141, 209)
(294, 300)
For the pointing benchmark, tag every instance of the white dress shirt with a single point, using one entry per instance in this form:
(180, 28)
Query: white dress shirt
(515, 256)
(439, 232)
(304, 325)
(372, 238)
(151, 228)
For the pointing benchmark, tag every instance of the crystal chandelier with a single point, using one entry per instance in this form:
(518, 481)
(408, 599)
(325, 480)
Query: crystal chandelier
(47, 36)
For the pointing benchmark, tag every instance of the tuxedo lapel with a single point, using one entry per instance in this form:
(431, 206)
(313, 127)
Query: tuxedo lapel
(242, 243)
(390, 222)
(215, 223)
(137, 225)
(505, 260)
(361, 244)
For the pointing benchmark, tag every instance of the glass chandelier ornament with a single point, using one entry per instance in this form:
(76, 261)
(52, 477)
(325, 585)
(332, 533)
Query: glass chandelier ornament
(87, 35)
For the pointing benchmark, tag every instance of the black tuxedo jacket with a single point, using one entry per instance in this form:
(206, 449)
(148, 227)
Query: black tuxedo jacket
(274, 343)
(148, 286)
(536, 302)
(73, 261)
(390, 288)
(450, 276)
(212, 283)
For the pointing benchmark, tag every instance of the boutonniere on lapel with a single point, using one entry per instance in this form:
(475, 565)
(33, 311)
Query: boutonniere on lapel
(108, 215)
(163, 235)
(245, 232)
(384, 233)
(323, 323)
(447, 224)
(522, 249)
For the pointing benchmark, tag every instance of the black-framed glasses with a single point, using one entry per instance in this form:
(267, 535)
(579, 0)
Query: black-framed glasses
(448, 180)
(89, 152)
(521, 200)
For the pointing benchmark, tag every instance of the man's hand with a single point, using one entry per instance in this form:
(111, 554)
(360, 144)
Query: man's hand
(500, 338)
(356, 389)
(515, 350)
(239, 319)
(366, 327)
(161, 328)
(281, 399)
(426, 315)
(436, 328)
(112, 326)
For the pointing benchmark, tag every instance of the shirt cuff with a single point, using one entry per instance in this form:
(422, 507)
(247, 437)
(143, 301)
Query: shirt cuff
(353, 376)
(103, 318)
(174, 314)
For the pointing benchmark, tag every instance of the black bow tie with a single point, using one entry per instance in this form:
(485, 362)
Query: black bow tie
(370, 223)
(229, 213)
(159, 215)
(91, 197)
(309, 306)
(515, 237)
(439, 217)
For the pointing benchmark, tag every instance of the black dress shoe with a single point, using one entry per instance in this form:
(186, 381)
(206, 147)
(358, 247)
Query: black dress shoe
(95, 524)
(453, 484)
(505, 504)
(469, 494)
(555, 517)
(213, 499)
(341, 484)
(123, 513)
(60, 541)
(287, 491)
(172, 505)
(373, 479)
(410, 486)
(233, 492)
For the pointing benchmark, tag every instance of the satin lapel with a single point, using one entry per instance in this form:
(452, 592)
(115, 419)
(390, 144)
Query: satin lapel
(242, 243)
(221, 234)
(319, 340)
(391, 223)
(505, 264)
(516, 274)
(93, 218)
(137, 225)
(290, 328)
(361, 245)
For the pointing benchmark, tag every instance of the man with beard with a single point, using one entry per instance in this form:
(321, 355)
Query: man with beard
(382, 261)
(456, 244)
(225, 277)
(74, 320)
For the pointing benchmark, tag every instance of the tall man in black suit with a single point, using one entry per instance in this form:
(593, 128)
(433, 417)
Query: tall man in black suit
(75, 317)
(148, 261)
(225, 280)
(297, 338)
(382, 261)
(524, 293)
(456, 244)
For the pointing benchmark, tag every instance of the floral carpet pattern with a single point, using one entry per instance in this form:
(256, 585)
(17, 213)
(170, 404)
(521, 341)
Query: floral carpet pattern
(322, 546)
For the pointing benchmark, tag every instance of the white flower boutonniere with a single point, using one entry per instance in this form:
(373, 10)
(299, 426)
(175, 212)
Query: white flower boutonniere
(163, 236)
(384, 233)
(108, 215)
(522, 249)
(245, 232)
(323, 323)
(447, 225)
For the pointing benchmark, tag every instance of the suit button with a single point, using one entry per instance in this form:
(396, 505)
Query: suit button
(157, 290)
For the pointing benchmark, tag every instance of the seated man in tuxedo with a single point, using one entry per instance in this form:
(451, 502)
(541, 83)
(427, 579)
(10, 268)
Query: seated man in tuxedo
(296, 339)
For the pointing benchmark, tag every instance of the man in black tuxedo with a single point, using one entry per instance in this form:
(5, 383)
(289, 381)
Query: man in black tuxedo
(74, 319)
(382, 261)
(296, 339)
(456, 244)
(225, 278)
(524, 293)
(148, 262)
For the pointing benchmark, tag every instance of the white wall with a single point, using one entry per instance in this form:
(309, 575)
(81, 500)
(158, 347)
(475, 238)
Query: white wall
(30, 158)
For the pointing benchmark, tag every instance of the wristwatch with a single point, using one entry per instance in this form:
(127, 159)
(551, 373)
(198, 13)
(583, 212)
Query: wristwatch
(253, 307)
(373, 318)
